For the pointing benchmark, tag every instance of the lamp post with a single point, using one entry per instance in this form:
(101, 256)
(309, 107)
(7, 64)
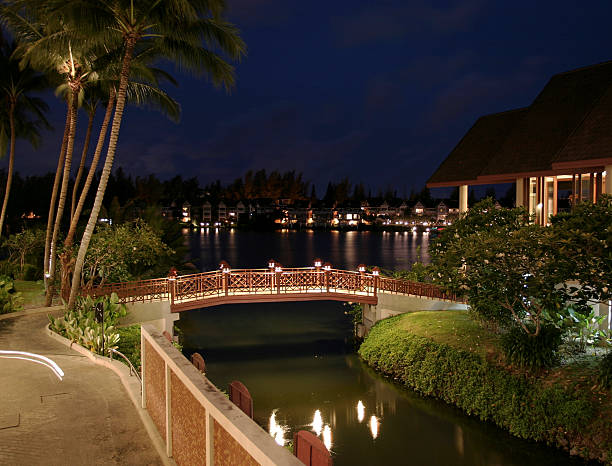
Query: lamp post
(375, 273)
(99, 313)
(327, 268)
(278, 270)
(361, 268)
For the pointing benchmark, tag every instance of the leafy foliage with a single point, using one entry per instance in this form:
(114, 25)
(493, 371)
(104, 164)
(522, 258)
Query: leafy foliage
(124, 252)
(25, 249)
(10, 299)
(522, 405)
(79, 325)
(533, 352)
(605, 370)
(129, 343)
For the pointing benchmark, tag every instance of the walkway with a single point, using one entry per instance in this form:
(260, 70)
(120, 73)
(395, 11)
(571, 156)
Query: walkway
(87, 418)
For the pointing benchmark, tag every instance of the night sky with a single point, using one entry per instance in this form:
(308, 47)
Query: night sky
(377, 91)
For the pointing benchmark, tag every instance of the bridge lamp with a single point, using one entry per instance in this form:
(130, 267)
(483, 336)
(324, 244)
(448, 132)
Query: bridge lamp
(224, 266)
(271, 263)
(376, 271)
(278, 268)
(327, 266)
(318, 262)
(361, 268)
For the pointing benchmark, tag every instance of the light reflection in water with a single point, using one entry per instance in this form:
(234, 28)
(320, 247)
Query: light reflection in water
(327, 437)
(374, 426)
(276, 430)
(317, 422)
(360, 411)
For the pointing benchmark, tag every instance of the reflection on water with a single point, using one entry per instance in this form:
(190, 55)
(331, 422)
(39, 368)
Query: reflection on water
(374, 423)
(317, 423)
(360, 411)
(296, 360)
(252, 249)
(327, 437)
(277, 431)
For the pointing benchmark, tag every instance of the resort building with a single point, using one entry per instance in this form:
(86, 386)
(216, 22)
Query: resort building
(558, 151)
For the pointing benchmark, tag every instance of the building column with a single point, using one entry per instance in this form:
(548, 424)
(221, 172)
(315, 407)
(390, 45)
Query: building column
(463, 198)
(609, 179)
(520, 188)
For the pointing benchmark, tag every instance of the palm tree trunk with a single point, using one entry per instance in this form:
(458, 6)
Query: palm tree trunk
(82, 164)
(74, 103)
(108, 165)
(60, 162)
(67, 256)
(9, 175)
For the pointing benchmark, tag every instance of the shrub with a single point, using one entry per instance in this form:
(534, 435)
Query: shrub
(31, 273)
(533, 352)
(79, 325)
(10, 299)
(605, 370)
(129, 343)
(520, 404)
(7, 269)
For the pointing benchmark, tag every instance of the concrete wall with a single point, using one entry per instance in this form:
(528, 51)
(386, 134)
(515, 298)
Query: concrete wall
(156, 313)
(394, 304)
(200, 424)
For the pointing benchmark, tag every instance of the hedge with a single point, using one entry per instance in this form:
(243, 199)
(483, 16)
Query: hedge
(519, 403)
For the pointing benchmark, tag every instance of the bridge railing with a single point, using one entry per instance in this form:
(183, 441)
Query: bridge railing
(228, 282)
(136, 291)
(401, 286)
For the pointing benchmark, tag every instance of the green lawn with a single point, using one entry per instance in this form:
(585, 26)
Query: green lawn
(33, 293)
(454, 328)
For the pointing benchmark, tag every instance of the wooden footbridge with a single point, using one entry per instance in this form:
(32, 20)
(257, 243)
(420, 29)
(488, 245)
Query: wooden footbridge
(274, 284)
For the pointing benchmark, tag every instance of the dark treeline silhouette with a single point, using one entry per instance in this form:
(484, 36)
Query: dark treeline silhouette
(124, 191)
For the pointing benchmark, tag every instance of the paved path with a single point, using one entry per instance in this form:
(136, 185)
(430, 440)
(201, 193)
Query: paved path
(85, 419)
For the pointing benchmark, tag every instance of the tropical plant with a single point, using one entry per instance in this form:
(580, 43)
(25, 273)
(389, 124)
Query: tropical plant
(22, 114)
(80, 325)
(174, 30)
(10, 299)
(605, 370)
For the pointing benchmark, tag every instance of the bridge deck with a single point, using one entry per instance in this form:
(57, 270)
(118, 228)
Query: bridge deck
(264, 285)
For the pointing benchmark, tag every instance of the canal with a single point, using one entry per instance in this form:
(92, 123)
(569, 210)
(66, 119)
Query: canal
(298, 361)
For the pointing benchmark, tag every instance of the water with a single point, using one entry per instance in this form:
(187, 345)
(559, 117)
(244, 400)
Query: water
(297, 358)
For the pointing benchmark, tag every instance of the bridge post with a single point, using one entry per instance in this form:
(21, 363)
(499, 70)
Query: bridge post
(327, 268)
(278, 270)
(361, 268)
(172, 284)
(225, 271)
(317, 265)
(375, 273)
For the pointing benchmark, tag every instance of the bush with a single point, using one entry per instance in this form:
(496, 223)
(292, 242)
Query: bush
(520, 404)
(79, 325)
(31, 273)
(8, 269)
(129, 343)
(532, 352)
(10, 299)
(605, 370)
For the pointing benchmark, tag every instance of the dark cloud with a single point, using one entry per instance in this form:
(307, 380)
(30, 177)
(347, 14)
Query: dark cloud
(385, 22)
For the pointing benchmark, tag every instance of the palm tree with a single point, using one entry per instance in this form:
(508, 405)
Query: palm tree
(176, 30)
(48, 43)
(22, 113)
(139, 94)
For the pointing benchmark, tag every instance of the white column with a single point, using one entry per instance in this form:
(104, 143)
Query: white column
(463, 198)
(519, 192)
(608, 179)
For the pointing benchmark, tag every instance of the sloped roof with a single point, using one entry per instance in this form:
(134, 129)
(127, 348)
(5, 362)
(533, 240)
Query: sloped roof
(551, 118)
(568, 122)
(467, 160)
(593, 137)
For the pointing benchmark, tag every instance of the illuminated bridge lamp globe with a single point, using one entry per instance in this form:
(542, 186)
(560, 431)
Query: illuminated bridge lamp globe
(361, 268)
(224, 267)
(271, 264)
(318, 263)
(376, 271)
(327, 266)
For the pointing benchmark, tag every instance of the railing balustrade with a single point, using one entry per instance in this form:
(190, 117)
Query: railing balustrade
(236, 282)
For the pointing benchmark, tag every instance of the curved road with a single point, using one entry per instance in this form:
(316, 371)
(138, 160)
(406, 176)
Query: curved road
(87, 418)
